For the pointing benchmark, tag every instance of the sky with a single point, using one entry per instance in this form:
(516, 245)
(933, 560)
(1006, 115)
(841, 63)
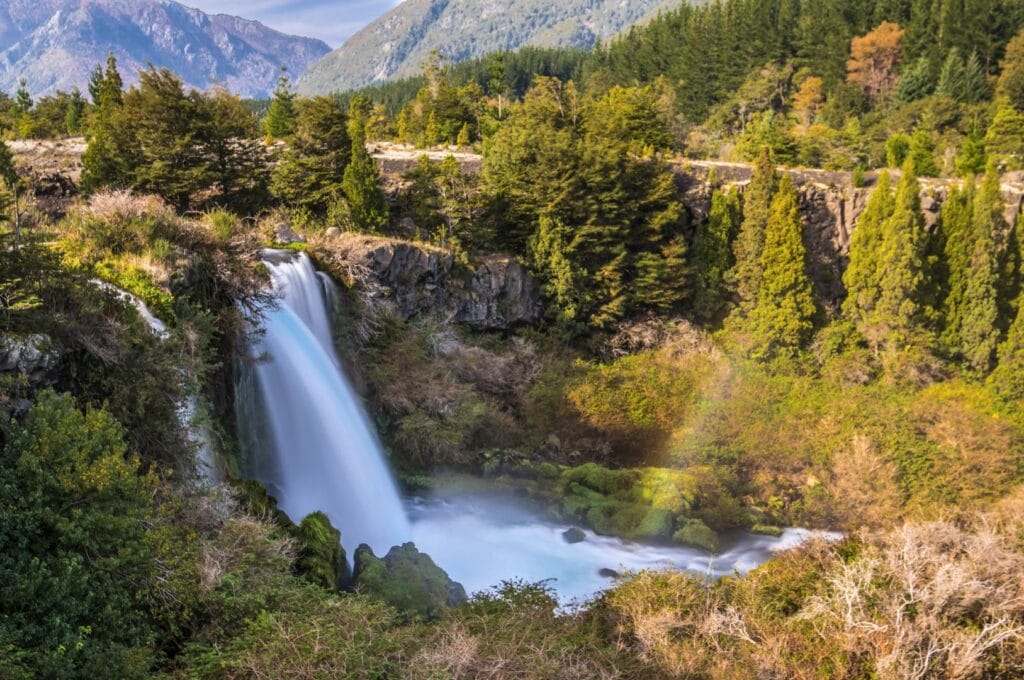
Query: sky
(333, 21)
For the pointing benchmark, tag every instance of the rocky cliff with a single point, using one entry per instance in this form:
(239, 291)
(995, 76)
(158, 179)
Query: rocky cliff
(492, 293)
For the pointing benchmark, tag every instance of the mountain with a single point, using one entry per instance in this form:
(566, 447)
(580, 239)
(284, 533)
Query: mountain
(397, 44)
(55, 44)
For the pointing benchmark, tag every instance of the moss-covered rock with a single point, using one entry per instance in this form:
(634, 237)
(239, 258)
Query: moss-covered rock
(574, 535)
(322, 558)
(696, 533)
(407, 579)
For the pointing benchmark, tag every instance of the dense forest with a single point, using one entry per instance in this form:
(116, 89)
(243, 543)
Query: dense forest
(686, 379)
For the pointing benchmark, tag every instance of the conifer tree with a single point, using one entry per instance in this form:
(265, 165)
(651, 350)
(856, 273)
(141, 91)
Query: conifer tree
(922, 153)
(712, 255)
(902, 314)
(916, 82)
(109, 159)
(958, 244)
(1007, 380)
(361, 181)
(749, 244)
(310, 172)
(783, 317)
(280, 121)
(1005, 138)
(22, 98)
(980, 332)
(1011, 78)
(10, 189)
(862, 276)
(75, 112)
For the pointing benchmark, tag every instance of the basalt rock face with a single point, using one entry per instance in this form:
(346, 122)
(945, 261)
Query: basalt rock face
(493, 293)
(408, 580)
(31, 357)
(830, 207)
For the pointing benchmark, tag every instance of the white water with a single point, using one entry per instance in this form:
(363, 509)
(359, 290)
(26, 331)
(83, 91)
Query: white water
(323, 452)
(315, 450)
(481, 542)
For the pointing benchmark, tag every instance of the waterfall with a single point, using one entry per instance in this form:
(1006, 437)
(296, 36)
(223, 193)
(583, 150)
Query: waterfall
(320, 451)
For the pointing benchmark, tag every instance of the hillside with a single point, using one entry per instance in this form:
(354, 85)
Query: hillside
(397, 44)
(54, 44)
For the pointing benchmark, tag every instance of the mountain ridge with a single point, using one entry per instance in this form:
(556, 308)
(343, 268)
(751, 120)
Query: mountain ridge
(397, 44)
(55, 44)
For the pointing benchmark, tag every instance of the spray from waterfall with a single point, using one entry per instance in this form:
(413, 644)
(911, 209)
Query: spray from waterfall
(309, 440)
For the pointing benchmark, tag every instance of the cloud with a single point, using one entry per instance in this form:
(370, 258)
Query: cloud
(333, 21)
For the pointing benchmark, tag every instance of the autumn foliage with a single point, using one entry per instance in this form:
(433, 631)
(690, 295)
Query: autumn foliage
(874, 58)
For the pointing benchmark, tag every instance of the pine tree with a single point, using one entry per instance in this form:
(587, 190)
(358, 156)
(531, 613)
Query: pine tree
(862, 276)
(902, 315)
(1007, 380)
(10, 190)
(1005, 138)
(75, 112)
(749, 244)
(22, 99)
(952, 77)
(1011, 79)
(958, 237)
(783, 317)
(361, 180)
(980, 332)
(922, 153)
(310, 172)
(280, 121)
(109, 160)
(916, 82)
(712, 255)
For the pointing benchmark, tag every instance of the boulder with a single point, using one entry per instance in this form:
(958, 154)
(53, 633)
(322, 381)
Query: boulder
(408, 580)
(283, 235)
(31, 356)
(609, 573)
(574, 535)
(695, 533)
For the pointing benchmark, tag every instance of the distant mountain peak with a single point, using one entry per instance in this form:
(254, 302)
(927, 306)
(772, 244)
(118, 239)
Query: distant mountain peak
(397, 44)
(55, 44)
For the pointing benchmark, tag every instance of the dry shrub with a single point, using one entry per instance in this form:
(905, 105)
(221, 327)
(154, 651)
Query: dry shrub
(452, 653)
(866, 484)
(124, 206)
(930, 600)
(248, 545)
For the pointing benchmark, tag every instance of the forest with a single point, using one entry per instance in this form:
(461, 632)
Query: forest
(686, 379)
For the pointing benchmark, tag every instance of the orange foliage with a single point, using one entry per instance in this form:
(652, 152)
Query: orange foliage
(874, 58)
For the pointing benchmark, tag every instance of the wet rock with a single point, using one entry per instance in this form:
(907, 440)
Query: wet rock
(407, 579)
(574, 535)
(31, 356)
(283, 235)
(695, 533)
(609, 573)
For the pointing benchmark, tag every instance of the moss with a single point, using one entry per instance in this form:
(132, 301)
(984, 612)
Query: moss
(408, 580)
(696, 533)
(322, 558)
(766, 530)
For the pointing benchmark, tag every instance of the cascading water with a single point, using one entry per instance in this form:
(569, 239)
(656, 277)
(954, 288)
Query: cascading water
(318, 451)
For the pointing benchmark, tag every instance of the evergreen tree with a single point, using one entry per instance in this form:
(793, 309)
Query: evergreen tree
(75, 113)
(361, 180)
(979, 334)
(958, 243)
(712, 255)
(280, 120)
(1011, 78)
(1007, 380)
(972, 159)
(10, 192)
(783, 318)
(917, 82)
(22, 99)
(239, 163)
(862, 276)
(902, 315)
(749, 244)
(109, 159)
(922, 153)
(1005, 138)
(953, 76)
(310, 172)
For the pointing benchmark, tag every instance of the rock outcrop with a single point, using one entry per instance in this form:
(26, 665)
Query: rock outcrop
(408, 580)
(31, 357)
(493, 293)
